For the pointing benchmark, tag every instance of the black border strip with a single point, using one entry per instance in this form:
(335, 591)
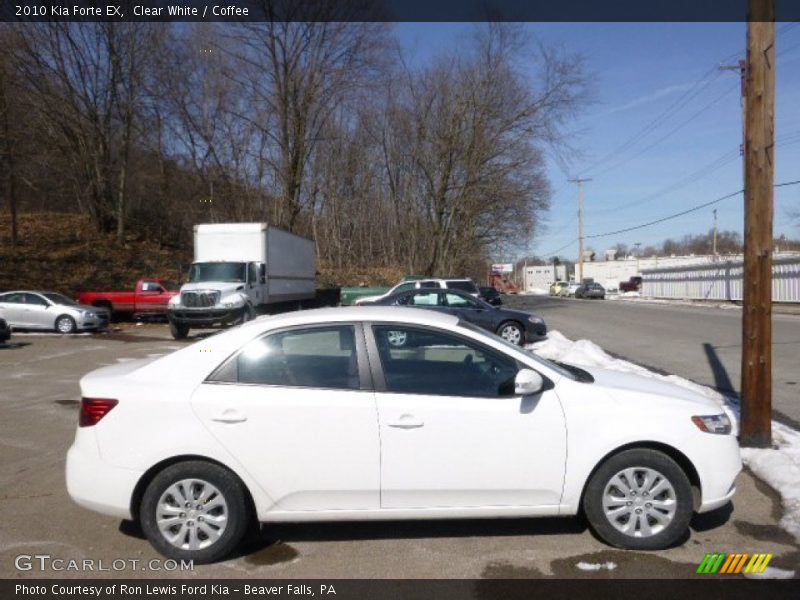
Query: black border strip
(388, 589)
(392, 10)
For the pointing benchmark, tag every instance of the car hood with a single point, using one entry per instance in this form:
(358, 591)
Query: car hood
(79, 307)
(621, 385)
(225, 287)
(520, 314)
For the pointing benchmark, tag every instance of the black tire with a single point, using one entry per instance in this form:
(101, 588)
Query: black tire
(179, 331)
(65, 324)
(229, 488)
(506, 327)
(639, 458)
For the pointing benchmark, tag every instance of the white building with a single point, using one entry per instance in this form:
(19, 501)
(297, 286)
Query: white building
(537, 279)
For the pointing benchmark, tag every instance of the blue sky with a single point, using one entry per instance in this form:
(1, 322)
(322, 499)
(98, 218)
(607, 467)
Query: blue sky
(640, 71)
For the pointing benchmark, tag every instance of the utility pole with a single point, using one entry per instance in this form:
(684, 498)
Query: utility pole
(715, 234)
(741, 68)
(580, 183)
(756, 425)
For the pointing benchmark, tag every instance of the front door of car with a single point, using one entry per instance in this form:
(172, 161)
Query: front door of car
(453, 433)
(470, 310)
(295, 408)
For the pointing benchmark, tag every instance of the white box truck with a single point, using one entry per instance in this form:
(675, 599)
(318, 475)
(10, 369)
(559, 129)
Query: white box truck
(237, 268)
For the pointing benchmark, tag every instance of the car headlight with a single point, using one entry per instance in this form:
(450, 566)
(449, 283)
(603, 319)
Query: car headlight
(720, 424)
(234, 302)
(174, 301)
(88, 314)
(536, 320)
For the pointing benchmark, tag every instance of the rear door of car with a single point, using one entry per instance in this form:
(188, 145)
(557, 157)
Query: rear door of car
(38, 313)
(12, 309)
(296, 409)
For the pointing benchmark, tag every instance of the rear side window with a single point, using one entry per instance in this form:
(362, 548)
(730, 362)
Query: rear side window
(319, 357)
(464, 286)
(429, 284)
(424, 299)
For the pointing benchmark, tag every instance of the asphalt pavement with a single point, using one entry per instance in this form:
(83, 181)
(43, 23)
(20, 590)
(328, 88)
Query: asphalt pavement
(701, 343)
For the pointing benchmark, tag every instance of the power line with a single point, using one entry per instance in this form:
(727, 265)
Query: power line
(667, 218)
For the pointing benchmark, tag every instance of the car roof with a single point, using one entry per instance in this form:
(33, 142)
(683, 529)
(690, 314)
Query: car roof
(357, 313)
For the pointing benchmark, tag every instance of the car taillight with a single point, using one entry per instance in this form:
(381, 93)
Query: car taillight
(94, 409)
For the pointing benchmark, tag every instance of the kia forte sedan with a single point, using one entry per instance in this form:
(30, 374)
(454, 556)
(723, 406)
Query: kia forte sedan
(316, 416)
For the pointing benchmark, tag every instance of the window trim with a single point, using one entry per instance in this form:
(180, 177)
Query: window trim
(379, 377)
(364, 372)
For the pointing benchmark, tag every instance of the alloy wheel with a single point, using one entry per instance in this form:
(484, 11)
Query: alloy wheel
(192, 514)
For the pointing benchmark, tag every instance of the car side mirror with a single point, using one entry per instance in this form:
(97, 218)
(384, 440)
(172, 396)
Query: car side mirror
(528, 382)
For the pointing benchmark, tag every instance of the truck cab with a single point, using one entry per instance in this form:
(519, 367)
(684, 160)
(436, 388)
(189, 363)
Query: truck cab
(237, 268)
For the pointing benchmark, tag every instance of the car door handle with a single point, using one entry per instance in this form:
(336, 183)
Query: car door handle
(229, 416)
(407, 422)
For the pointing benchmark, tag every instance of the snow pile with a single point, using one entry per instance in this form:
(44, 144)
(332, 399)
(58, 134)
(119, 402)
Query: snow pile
(588, 354)
(584, 566)
(779, 466)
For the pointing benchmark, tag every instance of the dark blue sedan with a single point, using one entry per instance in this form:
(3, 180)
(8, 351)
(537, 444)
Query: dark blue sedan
(514, 326)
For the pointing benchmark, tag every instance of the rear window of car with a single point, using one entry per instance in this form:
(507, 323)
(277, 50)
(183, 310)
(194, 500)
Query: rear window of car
(463, 285)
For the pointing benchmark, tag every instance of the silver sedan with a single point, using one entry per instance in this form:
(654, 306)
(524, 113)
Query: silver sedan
(50, 310)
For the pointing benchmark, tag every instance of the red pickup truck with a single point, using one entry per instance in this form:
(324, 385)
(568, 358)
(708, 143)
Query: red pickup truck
(149, 298)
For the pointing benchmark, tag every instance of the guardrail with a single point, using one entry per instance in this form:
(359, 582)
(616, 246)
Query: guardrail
(719, 281)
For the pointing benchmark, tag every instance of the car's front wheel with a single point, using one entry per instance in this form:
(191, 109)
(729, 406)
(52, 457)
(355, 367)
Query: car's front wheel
(511, 332)
(65, 324)
(194, 510)
(178, 331)
(639, 499)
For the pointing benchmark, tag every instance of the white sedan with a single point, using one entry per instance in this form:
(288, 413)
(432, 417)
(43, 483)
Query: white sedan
(315, 416)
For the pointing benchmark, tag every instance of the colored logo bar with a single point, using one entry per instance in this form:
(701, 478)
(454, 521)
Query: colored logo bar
(719, 562)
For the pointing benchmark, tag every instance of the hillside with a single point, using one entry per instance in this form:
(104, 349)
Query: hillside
(64, 253)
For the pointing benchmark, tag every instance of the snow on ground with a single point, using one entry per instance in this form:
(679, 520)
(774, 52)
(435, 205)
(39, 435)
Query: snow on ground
(584, 566)
(779, 466)
(637, 297)
(771, 573)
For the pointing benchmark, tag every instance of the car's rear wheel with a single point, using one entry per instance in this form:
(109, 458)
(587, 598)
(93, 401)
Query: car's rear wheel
(397, 339)
(65, 324)
(178, 331)
(639, 499)
(511, 332)
(194, 510)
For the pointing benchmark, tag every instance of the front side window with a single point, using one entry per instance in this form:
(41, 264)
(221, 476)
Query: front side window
(55, 298)
(319, 357)
(463, 285)
(437, 363)
(456, 301)
(429, 284)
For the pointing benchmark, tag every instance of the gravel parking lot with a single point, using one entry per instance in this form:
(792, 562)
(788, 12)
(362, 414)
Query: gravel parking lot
(38, 410)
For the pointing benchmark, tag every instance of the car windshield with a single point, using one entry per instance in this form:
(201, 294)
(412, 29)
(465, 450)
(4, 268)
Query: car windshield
(59, 299)
(547, 363)
(217, 272)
